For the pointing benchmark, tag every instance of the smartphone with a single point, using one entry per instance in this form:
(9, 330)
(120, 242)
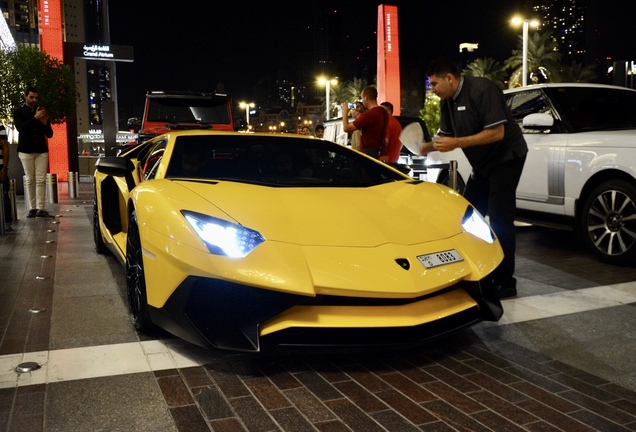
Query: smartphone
(352, 105)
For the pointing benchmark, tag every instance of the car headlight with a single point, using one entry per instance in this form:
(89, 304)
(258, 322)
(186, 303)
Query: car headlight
(475, 224)
(223, 237)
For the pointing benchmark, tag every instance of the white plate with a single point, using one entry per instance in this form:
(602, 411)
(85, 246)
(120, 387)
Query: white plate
(412, 137)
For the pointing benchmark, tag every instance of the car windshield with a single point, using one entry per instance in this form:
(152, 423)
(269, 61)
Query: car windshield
(189, 110)
(275, 161)
(596, 108)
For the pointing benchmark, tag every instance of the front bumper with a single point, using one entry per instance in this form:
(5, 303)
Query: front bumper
(225, 315)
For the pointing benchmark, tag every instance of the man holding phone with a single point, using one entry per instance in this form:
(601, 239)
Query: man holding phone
(356, 109)
(372, 123)
(34, 129)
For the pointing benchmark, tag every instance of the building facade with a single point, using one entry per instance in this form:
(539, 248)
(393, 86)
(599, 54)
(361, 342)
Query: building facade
(21, 18)
(565, 19)
(86, 48)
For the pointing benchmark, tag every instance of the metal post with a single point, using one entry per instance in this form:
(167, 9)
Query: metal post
(13, 191)
(27, 206)
(77, 182)
(2, 230)
(524, 55)
(452, 175)
(72, 185)
(327, 101)
(51, 188)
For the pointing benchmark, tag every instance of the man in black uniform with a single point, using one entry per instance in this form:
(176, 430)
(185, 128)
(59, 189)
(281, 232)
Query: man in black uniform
(475, 118)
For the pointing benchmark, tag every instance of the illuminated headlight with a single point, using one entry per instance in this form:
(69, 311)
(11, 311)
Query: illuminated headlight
(476, 225)
(223, 237)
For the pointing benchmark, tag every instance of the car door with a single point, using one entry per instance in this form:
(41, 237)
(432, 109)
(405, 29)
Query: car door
(541, 187)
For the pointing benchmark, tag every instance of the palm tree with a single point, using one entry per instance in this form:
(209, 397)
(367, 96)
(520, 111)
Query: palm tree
(576, 72)
(431, 113)
(487, 68)
(339, 94)
(355, 88)
(543, 60)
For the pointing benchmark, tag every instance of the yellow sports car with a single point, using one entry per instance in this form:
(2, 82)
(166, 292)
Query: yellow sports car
(247, 241)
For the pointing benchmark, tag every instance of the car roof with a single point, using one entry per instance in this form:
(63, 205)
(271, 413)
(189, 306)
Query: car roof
(567, 84)
(181, 132)
(159, 94)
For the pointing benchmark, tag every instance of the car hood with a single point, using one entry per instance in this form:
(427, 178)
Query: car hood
(407, 212)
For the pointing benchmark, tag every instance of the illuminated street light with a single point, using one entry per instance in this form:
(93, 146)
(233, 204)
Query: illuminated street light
(327, 82)
(524, 61)
(247, 106)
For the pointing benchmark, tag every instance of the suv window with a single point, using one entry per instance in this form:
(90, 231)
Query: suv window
(527, 102)
(593, 108)
(182, 110)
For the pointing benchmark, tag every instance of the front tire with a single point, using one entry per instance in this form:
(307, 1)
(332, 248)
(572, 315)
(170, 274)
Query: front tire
(135, 278)
(608, 222)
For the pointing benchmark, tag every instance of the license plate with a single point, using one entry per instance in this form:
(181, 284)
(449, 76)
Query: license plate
(440, 258)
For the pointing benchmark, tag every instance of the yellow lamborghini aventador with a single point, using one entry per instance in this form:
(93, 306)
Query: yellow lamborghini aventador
(245, 241)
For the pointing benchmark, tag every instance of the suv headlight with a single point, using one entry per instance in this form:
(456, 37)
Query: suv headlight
(222, 237)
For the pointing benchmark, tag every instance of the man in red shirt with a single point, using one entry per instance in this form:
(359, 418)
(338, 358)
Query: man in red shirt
(393, 135)
(373, 124)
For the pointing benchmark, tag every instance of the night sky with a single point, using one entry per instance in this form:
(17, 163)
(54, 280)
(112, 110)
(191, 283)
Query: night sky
(195, 44)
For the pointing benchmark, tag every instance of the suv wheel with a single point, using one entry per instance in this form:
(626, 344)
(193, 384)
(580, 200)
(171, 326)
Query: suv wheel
(608, 222)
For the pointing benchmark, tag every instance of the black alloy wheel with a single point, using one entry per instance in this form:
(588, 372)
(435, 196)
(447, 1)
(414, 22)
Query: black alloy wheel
(608, 222)
(135, 278)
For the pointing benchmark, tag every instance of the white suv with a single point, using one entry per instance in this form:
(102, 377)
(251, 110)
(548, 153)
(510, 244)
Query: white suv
(580, 172)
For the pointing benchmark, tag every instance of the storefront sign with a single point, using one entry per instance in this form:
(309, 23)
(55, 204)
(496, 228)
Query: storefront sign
(118, 53)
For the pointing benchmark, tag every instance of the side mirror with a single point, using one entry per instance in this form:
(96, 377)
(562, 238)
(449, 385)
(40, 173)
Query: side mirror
(134, 124)
(115, 166)
(118, 167)
(538, 121)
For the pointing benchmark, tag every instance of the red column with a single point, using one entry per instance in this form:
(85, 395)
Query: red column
(51, 42)
(389, 57)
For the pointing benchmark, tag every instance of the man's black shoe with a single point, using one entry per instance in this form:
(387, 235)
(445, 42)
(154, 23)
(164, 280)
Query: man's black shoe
(42, 213)
(32, 213)
(505, 291)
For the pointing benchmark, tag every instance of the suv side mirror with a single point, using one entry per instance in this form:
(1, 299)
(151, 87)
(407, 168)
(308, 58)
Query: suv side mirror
(538, 121)
(133, 124)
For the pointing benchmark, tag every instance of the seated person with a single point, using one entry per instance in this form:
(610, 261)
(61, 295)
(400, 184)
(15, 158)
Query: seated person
(288, 164)
(191, 163)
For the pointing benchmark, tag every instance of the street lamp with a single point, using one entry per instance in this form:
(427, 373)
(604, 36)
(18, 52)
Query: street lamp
(524, 61)
(327, 83)
(247, 106)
